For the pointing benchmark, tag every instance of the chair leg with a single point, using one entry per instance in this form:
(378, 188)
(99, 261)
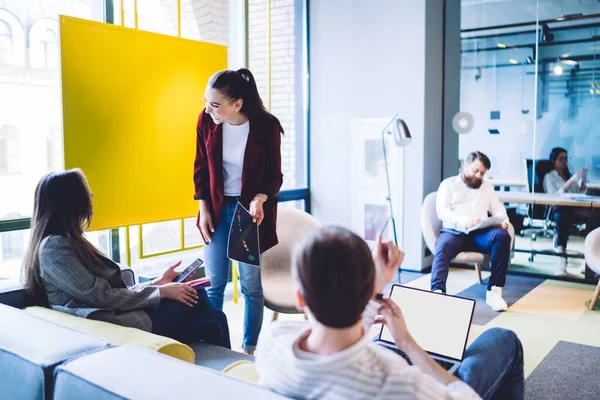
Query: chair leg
(275, 316)
(595, 298)
(478, 269)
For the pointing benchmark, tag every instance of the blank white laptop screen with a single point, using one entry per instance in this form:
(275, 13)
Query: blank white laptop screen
(439, 323)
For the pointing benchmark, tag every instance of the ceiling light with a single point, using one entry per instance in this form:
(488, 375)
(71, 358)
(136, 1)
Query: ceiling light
(558, 70)
(513, 61)
(502, 45)
(597, 91)
(591, 91)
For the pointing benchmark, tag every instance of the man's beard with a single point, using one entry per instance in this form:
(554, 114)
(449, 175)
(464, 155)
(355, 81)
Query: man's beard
(472, 181)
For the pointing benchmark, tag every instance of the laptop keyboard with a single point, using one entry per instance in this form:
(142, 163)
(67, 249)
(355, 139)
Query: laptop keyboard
(397, 351)
(445, 364)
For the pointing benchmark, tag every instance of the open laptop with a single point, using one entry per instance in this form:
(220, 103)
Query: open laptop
(439, 323)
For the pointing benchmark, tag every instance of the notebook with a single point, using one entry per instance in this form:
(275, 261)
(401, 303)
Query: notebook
(243, 243)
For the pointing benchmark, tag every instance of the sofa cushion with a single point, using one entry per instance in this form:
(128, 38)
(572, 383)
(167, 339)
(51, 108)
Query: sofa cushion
(137, 373)
(117, 335)
(31, 348)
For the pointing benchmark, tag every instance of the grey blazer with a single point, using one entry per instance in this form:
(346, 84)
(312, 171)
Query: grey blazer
(97, 293)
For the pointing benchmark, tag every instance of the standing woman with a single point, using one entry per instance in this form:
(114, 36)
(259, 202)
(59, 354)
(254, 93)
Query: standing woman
(238, 158)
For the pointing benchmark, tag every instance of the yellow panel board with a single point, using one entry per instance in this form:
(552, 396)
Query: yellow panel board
(131, 101)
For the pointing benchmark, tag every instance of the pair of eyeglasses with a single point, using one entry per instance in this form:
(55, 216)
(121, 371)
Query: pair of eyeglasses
(563, 158)
(215, 105)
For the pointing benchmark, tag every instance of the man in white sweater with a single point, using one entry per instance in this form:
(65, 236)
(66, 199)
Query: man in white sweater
(329, 356)
(463, 202)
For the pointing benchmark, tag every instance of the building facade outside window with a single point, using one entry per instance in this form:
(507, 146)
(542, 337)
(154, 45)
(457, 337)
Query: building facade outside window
(10, 150)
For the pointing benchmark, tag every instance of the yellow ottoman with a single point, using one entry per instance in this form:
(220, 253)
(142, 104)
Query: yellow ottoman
(244, 370)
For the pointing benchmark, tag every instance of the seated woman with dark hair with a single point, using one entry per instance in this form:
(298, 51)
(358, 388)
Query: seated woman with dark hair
(61, 265)
(560, 181)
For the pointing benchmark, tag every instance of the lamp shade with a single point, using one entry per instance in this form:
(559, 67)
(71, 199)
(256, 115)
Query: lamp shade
(401, 133)
(398, 128)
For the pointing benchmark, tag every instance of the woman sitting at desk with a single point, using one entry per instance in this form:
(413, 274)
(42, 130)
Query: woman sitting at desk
(559, 181)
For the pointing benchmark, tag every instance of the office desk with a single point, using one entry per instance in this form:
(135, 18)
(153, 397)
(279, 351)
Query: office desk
(523, 183)
(547, 199)
(550, 200)
(508, 182)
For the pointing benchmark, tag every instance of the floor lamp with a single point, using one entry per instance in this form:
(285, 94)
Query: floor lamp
(402, 138)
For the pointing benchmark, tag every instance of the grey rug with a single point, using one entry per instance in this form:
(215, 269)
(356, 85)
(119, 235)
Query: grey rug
(570, 371)
(515, 288)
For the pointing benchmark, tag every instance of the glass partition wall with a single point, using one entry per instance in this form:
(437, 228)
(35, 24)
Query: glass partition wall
(530, 83)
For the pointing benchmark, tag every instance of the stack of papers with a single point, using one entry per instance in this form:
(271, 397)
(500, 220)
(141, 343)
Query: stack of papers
(580, 197)
(486, 223)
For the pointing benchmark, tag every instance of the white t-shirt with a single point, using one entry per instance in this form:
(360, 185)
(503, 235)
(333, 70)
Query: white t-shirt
(362, 371)
(457, 204)
(235, 138)
(553, 183)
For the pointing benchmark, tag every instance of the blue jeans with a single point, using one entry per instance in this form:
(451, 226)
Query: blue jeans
(493, 365)
(217, 269)
(201, 323)
(494, 241)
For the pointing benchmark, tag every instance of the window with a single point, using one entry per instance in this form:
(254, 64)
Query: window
(5, 43)
(44, 44)
(9, 150)
(54, 150)
(34, 104)
(12, 38)
(13, 243)
(276, 58)
(204, 20)
(30, 104)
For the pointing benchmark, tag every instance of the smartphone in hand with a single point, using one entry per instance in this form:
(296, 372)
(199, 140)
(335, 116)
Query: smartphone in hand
(189, 270)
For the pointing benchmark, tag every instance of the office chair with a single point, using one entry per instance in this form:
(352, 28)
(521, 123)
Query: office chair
(539, 222)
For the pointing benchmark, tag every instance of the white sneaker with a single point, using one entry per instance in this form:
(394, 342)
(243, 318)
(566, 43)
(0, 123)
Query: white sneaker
(561, 267)
(438, 291)
(493, 298)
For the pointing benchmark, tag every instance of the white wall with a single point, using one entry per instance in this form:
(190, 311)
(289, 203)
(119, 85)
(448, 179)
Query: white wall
(369, 60)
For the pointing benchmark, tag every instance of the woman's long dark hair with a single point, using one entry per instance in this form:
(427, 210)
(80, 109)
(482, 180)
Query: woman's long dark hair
(62, 206)
(554, 153)
(241, 84)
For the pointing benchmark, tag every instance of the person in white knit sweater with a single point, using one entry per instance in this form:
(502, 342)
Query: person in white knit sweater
(339, 284)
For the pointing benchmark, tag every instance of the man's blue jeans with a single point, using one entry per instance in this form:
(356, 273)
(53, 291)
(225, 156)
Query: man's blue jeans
(217, 269)
(493, 365)
(494, 241)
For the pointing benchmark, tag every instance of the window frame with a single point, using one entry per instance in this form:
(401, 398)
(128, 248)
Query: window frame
(302, 193)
